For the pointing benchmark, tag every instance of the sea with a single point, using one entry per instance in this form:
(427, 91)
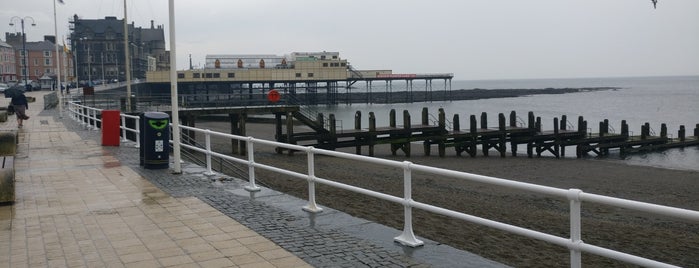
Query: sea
(673, 100)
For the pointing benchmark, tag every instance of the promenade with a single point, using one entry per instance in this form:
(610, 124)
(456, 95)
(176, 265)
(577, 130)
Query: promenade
(80, 204)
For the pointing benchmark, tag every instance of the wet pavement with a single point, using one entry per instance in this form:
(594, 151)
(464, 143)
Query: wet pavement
(80, 204)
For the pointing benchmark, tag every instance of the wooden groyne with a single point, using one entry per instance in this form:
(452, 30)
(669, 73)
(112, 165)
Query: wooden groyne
(478, 135)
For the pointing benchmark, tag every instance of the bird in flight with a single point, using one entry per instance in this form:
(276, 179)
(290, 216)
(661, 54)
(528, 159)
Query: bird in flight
(655, 2)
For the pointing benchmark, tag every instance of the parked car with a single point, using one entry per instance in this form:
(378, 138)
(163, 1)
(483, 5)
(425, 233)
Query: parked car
(3, 87)
(30, 85)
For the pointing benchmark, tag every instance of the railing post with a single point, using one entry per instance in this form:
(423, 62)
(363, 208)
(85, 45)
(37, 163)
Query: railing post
(251, 167)
(123, 127)
(575, 228)
(311, 206)
(138, 132)
(408, 237)
(207, 141)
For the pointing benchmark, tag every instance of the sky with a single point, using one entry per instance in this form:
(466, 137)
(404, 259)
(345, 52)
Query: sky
(473, 39)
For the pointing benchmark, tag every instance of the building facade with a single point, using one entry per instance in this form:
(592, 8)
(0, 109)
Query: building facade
(39, 64)
(7, 63)
(99, 51)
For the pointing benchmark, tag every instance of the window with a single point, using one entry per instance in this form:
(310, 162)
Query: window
(231, 75)
(343, 64)
(48, 71)
(208, 75)
(298, 74)
(36, 72)
(310, 74)
(217, 75)
(47, 53)
(21, 53)
(334, 57)
(196, 75)
(36, 62)
(21, 62)
(325, 64)
(47, 62)
(180, 75)
(24, 72)
(322, 57)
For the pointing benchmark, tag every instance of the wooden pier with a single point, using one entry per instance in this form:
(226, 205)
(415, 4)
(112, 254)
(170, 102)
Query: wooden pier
(513, 132)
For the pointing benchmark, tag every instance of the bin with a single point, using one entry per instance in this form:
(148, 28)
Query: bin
(156, 140)
(110, 127)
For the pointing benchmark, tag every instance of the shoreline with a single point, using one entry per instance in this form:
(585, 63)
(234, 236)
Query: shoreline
(633, 232)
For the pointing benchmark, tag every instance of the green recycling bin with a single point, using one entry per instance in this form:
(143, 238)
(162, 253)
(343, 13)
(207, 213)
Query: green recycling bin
(156, 140)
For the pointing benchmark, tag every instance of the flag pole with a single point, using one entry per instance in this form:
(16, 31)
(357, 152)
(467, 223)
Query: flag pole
(177, 168)
(58, 63)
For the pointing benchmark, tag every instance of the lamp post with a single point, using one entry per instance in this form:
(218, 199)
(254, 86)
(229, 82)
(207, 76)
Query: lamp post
(24, 43)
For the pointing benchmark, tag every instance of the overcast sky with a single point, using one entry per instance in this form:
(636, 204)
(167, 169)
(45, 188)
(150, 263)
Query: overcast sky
(486, 39)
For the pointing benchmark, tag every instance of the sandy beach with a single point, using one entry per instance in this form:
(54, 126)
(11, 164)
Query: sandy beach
(659, 238)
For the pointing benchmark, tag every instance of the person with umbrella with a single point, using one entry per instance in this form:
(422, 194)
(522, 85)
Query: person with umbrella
(20, 103)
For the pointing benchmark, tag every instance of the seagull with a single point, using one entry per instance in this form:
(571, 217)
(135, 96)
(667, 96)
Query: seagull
(655, 2)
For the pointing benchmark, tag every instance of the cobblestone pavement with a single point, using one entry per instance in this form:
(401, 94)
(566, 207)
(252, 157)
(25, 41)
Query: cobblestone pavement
(327, 239)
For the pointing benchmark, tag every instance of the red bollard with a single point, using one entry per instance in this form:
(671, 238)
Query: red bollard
(110, 127)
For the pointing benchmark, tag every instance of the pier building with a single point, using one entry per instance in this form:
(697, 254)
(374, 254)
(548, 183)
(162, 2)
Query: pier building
(320, 76)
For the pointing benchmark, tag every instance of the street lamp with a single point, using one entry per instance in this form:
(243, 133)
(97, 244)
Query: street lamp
(24, 43)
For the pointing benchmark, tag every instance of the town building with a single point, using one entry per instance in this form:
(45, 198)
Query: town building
(7, 63)
(98, 47)
(40, 64)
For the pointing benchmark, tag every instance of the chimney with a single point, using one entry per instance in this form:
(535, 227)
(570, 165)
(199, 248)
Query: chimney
(50, 38)
(151, 24)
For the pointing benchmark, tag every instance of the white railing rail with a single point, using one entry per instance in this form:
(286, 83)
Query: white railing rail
(574, 196)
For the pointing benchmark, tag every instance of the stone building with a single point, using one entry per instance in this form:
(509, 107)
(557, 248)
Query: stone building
(98, 46)
(7, 63)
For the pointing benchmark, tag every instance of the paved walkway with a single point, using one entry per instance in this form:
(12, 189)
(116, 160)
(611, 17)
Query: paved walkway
(79, 204)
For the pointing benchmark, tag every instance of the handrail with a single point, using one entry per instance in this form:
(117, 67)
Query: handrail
(574, 196)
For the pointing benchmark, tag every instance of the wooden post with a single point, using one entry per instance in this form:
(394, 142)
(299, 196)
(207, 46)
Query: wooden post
(320, 118)
(502, 143)
(531, 121)
(624, 128)
(696, 131)
(456, 125)
(564, 122)
(277, 131)
(513, 119)
(241, 125)
(581, 126)
(473, 144)
(290, 130)
(484, 120)
(538, 123)
(443, 130)
(406, 126)
(556, 138)
(333, 132)
(392, 118)
(680, 133)
(663, 130)
(644, 131)
(372, 131)
(425, 116)
(358, 126)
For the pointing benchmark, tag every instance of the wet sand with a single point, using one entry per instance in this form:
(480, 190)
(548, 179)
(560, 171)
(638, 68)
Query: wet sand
(660, 238)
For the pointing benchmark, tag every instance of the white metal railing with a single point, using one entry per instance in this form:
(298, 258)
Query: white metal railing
(575, 197)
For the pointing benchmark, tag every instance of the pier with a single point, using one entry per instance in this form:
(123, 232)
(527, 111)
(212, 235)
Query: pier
(449, 134)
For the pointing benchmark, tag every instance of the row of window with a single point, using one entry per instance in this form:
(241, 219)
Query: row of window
(47, 53)
(47, 62)
(230, 75)
(38, 72)
(334, 64)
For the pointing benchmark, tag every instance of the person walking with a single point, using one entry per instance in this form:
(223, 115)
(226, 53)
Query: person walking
(19, 102)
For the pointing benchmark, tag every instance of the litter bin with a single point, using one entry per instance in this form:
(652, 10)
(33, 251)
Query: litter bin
(110, 127)
(156, 140)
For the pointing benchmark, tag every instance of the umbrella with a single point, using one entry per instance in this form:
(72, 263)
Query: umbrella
(13, 91)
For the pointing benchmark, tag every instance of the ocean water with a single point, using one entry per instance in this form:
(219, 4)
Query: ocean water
(655, 100)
